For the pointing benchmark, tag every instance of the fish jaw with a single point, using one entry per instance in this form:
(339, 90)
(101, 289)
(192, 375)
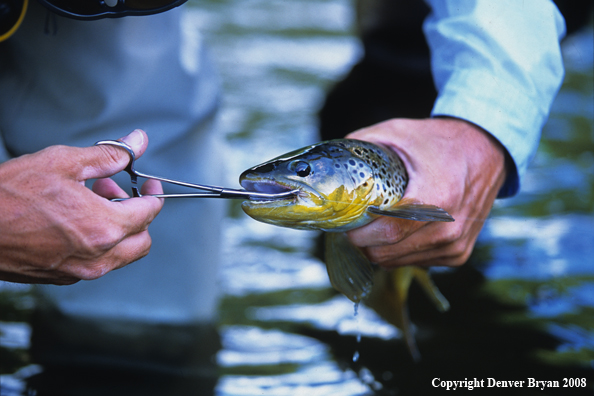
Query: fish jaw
(284, 212)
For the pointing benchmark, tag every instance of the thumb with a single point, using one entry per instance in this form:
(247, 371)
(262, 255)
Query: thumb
(106, 160)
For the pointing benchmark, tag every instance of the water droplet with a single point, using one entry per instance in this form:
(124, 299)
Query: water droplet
(356, 354)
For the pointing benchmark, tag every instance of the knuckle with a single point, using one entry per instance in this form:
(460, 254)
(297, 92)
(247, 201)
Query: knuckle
(113, 155)
(147, 245)
(144, 252)
(142, 248)
(464, 255)
(102, 159)
(459, 253)
(456, 261)
(451, 233)
(94, 243)
(372, 255)
(392, 232)
(376, 255)
(63, 158)
(90, 273)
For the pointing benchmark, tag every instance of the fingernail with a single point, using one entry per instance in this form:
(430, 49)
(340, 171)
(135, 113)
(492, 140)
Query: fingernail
(135, 139)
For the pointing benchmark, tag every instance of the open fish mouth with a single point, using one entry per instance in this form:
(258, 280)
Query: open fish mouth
(268, 187)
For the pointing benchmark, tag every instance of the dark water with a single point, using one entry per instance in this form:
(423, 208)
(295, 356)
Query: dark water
(522, 307)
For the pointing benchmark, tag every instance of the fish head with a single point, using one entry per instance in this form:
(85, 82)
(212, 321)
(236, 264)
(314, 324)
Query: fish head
(334, 188)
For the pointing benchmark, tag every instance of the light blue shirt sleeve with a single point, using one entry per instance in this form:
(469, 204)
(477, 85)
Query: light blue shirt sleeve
(497, 64)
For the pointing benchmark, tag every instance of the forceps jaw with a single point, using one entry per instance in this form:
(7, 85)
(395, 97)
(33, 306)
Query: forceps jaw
(213, 191)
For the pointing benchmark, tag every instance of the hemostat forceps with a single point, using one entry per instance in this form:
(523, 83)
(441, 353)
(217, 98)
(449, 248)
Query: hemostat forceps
(213, 191)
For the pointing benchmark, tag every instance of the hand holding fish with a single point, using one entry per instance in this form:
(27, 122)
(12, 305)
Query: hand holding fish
(394, 188)
(452, 164)
(55, 230)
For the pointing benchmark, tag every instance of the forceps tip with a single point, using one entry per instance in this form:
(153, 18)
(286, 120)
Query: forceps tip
(256, 196)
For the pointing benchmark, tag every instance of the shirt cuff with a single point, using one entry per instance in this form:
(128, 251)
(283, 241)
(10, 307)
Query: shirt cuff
(507, 113)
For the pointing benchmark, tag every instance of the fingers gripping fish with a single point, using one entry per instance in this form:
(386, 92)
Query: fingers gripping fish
(344, 184)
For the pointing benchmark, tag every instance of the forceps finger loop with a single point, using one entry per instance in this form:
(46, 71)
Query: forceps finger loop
(130, 167)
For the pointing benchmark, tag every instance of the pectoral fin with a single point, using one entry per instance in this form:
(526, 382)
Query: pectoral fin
(349, 270)
(418, 212)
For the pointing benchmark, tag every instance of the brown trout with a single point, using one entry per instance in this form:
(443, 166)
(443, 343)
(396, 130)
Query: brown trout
(344, 184)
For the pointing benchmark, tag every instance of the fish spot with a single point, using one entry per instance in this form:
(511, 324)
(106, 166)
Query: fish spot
(361, 174)
(337, 166)
(386, 201)
(352, 162)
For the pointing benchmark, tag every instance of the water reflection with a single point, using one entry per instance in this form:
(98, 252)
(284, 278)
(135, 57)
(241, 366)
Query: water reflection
(272, 362)
(539, 248)
(336, 314)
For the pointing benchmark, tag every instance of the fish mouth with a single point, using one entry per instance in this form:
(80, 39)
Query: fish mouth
(267, 186)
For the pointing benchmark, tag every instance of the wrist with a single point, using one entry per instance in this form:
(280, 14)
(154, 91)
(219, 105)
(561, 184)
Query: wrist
(481, 149)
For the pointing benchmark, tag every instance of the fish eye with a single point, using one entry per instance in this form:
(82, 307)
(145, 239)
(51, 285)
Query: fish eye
(301, 168)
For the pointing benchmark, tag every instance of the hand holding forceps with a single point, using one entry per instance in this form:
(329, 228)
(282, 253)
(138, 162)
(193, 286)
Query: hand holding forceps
(212, 191)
